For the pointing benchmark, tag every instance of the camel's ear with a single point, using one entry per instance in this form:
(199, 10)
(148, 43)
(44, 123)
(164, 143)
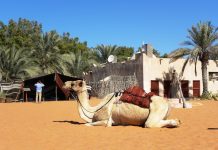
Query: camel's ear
(81, 83)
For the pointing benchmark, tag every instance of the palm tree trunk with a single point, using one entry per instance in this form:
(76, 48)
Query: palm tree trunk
(204, 77)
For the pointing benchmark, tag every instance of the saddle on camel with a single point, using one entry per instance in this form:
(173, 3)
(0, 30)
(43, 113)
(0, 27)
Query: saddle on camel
(137, 96)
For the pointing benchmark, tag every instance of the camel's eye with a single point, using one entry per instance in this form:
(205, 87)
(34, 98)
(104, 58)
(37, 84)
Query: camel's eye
(81, 84)
(72, 84)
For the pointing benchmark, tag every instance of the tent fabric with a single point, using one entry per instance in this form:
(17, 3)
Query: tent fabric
(53, 86)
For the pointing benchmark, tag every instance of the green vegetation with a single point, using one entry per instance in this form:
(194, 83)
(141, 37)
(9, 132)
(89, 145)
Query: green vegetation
(2, 95)
(46, 54)
(14, 63)
(25, 51)
(210, 96)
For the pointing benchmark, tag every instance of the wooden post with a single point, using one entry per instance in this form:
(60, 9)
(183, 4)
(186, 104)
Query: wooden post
(23, 96)
(181, 96)
(56, 92)
(26, 97)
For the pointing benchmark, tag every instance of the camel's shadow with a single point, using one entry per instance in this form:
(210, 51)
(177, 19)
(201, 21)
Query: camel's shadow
(69, 121)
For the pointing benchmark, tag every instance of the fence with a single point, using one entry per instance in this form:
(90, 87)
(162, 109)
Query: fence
(112, 84)
(11, 90)
(9, 86)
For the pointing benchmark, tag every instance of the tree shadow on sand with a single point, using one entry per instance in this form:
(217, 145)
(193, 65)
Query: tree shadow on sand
(69, 121)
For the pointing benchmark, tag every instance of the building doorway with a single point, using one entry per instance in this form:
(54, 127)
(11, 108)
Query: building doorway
(155, 87)
(185, 88)
(167, 87)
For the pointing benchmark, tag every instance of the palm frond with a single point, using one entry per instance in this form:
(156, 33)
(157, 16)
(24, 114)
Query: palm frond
(102, 52)
(178, 53)
(188, 43)
(183, 67)
(14, 63)
(47, 53)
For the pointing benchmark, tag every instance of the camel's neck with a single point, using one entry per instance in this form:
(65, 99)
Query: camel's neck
(87, 116)
(83, 98)
(87, 111)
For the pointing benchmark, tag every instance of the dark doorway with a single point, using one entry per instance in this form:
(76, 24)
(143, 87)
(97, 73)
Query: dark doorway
(185, 88)
(167, 86)
(155, 87)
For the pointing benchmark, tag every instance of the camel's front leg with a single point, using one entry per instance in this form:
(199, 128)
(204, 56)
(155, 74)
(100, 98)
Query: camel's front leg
(158, 110)
(110, 120)
(97, 123)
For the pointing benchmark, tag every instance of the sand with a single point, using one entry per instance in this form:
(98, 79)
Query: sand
(57, 126)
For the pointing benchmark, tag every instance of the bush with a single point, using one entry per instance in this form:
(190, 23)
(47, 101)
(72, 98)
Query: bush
(2, 95)
(209, 96)
(215, 96)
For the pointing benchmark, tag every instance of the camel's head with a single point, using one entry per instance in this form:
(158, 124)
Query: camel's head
(77, 86)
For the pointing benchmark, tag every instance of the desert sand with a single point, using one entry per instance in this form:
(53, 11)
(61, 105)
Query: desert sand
(57, 126)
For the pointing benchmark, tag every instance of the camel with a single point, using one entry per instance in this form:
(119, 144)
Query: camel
(110, 111)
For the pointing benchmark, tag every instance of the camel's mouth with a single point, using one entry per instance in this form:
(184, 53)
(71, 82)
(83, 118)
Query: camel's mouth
(66, 87)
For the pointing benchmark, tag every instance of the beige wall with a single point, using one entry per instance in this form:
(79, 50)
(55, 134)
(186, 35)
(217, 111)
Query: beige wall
(158, 69)
(212, 85)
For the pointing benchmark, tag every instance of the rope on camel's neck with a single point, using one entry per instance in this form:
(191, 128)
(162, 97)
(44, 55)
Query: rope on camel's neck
(82, 108)
(98, 108)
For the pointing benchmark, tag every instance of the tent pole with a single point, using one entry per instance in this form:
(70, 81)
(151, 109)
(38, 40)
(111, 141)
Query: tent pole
(56, 92)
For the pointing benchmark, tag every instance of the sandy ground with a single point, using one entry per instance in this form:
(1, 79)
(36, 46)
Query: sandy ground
(57, 126)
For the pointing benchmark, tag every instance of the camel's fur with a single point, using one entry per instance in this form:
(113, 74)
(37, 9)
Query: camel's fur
(120, 113)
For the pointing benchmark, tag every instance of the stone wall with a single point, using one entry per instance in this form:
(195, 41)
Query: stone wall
(115, 76)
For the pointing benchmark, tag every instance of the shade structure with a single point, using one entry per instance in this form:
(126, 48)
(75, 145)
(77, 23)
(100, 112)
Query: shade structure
(53, 86)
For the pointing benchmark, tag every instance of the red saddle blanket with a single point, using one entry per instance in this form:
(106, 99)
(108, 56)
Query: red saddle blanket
(137, 96)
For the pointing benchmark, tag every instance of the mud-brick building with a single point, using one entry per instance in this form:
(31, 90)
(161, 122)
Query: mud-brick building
(155, 74)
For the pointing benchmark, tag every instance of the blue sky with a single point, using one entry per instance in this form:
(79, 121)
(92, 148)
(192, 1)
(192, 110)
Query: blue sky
(162, 23)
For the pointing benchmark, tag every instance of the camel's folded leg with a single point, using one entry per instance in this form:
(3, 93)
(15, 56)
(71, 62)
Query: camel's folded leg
(110, 109)
(109, 121)
(97, 123)
(168, 123)
(158, 111)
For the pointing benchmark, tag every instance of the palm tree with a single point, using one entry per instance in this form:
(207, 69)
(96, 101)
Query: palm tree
(47, 54)
(102, 52)
(78, 62)
(14, 63)
(202, 38)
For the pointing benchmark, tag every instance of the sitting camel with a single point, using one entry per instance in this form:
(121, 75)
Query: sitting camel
(111, 111)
